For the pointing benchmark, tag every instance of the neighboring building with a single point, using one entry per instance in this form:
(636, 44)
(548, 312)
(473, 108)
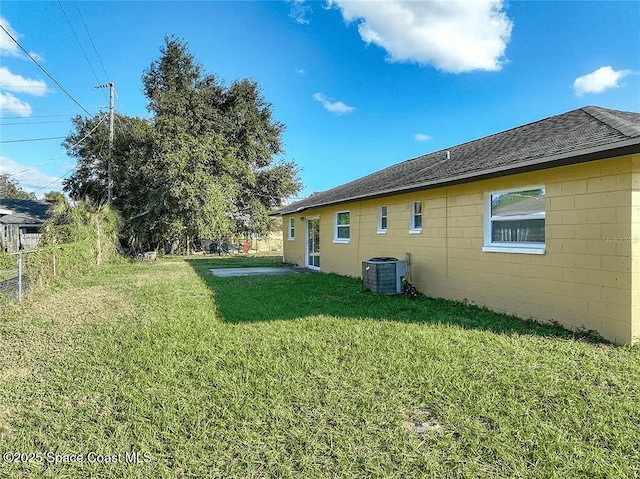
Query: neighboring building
(541, 221)
(269, 244)
(20, 223)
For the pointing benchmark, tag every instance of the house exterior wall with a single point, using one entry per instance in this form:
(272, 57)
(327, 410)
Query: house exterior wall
(14, 237)
(293, 250)
(588, 276)
(30, 240)
(11, 238)
(634, 245)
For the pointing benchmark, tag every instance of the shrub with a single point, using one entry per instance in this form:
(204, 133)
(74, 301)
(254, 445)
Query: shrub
(43, 264)
(74, 240)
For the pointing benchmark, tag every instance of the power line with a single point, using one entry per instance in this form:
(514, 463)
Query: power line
(91, 40)
(75, 167)
(34, 116)
(42, 109)
(56, 157)
(55, 181)
(79, 44)
(33, 167)
(125, 130)
(32, 122)
(33, 139)
(45, 71)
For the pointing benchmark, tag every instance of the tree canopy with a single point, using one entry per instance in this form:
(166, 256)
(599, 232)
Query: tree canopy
(10, 188)
(207, 163)
(55, 197)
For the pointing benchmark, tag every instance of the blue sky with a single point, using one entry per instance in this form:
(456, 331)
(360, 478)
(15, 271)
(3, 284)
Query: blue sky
(360, 85)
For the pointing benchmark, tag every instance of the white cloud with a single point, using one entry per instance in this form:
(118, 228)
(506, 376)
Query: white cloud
(11, 104)
(300, 71)
(19, 84)
(599, 80)
(299, 12)
(333, 106)
(422, 137)
(11, 82)
(7, 46)
(452, 35)
(29, 178)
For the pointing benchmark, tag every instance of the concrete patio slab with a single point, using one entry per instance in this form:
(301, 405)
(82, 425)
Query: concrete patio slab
(228, 272)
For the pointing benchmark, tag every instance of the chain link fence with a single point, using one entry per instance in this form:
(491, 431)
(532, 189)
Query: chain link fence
(12, 279)
(32, 269)
(14, 282)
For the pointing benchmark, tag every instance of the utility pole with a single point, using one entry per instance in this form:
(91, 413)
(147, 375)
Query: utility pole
(110, 179)
(111, 115)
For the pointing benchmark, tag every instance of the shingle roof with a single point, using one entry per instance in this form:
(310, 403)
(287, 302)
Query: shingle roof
(585, 134)
(25, 212)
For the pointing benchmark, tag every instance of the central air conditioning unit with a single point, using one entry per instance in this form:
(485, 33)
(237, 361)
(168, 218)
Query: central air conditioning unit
(383, 275)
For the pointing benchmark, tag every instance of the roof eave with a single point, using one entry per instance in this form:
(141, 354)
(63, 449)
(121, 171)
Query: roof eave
(21, 222)
(611, 150)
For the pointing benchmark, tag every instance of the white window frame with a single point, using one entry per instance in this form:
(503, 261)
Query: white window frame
(381, 230)
(511, 247)
(412, 218)
(291, 229)
(336, 226)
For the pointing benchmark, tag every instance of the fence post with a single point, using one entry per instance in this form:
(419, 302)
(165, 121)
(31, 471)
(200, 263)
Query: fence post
(99, 246)
(19, 276)
(55, 273)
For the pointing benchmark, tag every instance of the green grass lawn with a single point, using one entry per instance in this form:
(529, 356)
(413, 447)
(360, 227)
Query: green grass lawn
(301, 375)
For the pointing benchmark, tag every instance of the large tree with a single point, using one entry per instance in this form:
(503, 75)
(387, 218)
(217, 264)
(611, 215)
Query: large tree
(89, 144)
(207, 164)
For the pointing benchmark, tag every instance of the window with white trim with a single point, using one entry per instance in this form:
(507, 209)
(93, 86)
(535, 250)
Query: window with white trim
(382, 220)
(514, 221)
(342, 232)
(415, 225)
(292, 229)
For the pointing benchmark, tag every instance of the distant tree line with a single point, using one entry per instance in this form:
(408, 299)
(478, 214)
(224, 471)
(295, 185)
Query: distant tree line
(10, 188)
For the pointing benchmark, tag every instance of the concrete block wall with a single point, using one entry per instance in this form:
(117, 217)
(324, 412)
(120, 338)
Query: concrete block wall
(633, 244)
(588, 277)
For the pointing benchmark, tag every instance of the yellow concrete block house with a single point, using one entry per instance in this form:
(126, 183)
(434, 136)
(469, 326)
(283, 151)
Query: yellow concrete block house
(541, 221)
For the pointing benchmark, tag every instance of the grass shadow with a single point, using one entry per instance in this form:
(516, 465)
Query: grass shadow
(293, 296)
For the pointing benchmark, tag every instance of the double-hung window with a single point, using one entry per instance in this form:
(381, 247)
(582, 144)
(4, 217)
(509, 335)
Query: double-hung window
(515, 221)
(382, 220)
(292, 229)
(415, 225)
(342, 227)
